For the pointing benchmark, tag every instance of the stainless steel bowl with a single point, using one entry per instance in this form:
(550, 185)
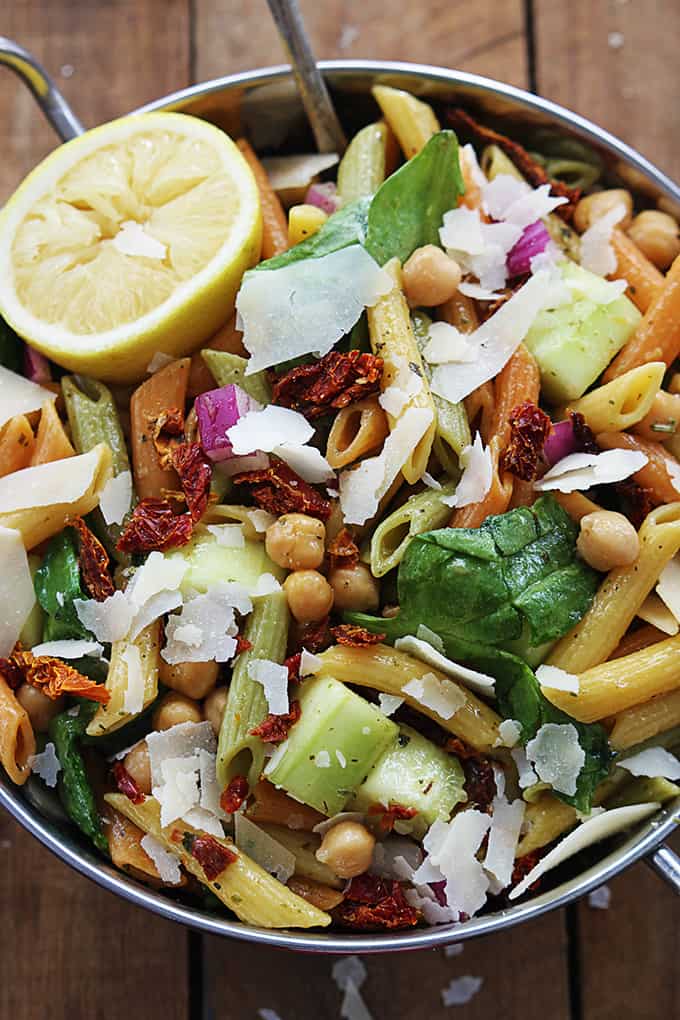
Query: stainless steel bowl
(264, 105)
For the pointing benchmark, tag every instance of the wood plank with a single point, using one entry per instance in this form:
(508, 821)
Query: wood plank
(616, 63)
(485, 37)
(629, 952)
(72, 950)
(107, 58)
(407, 987)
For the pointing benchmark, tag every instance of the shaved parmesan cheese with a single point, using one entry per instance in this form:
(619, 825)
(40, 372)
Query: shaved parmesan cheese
(673, 469)
(230, 535)
(17, 596)
(159, 361)
(477, 476)
(306, 307)
(322, 760)
(557, 679)
(307, 462)
(446, 343)
(389, 703)
(69, 649)
(557, 756)
(430, 482)
(205, 630)
(656, 762)
(210, 787)
(405, 385)
(167, 865)
(423, 899)
(116, 498)
(157, 573)
(274, 680)
(462, 990)
(468, 159)
(599, 899)
(506, 823)
(496, 340)
(266, 429)
(297, 171)
(266, 585)
(579, 471)
(204, 820)
(659, 615)
(501, 193)
(423, 649)
(512, 200)
(438, 694)
(132, 239)
(158, 605)
(178, 791)
(453, 847)
(133, 701)
(61, 481)
(473, 290)
(480, 248)
(263, 848)
(597, 254)
(603, 825)
(109, 620)
(260, 519)
(462, 231)
(46, 765)
(309, 663)
(668, 586)
(277, 756)
(19, 395)
(509, 731)
(526, 775)
(181, 741)
(362, 488)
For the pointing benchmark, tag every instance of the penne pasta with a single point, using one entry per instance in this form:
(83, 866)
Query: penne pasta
(17, 742)
(547, 817)
(303, 845)
(662, 421)
(643, 278)
(624, 401)
(17, 443)
(576, 504)
(423, 512)
(229, 339)
(412, 121)
(357, 430)
(124, 839)
(274, 222)
(392, 339)
(644, 721)
(303, 222)
(164, 390)
(363, 167)
(661, 471)
(51, 441)
(620, 595)
(133, 668)
(388, 670)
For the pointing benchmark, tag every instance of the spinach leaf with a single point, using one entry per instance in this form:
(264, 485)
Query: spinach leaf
(345, 227)
(11, 348)
(407, 209)
(57, 584)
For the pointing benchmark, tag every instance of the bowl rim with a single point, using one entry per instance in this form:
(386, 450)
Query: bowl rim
(636, 846)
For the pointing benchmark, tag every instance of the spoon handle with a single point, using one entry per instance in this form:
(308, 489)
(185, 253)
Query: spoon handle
(317, 102)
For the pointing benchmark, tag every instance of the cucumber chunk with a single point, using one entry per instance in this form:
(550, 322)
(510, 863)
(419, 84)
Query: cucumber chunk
(414, 773)
(210, 563)
(332, 748)
(574, 343)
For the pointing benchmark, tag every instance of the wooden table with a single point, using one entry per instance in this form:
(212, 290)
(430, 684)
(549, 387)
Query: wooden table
(71, 950)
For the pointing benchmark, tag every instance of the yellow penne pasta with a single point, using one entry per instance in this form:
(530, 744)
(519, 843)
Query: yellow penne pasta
(548, 817)
(304, 221)
(642, 722)
(124, 839)
(620, 595)
(51, 441)
(357, 430)
(246, 888)
(412, 121)
(130, 660)
(388, 670)
(17, 741)
(392, 339)
(614, 686)
(38, 500)
(624, 401)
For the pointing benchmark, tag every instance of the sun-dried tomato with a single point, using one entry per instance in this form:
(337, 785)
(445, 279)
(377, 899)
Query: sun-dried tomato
(526, 164)
(529, 429)
(354, 636)
(242, 644)
(126, 784)
(315, 637)
(280, 490)
(275, 728)
(234, 795)
(52, 676)
(93, 561)
(210, 854)
(584, 437)
(153, 525)
(11, 671)
(331, 383)
(292, 664)
(480, 782)
(391, 814)
(636, 500)
(374, 904)
(195, 472)
(343, 551)
(167, 432)
(523, 865)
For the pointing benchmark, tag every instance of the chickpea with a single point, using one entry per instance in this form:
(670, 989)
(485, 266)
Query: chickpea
(173, 709)
(354, 588)
(138, 764)
(195, 679)
(296, 542)
(657, 235)
(214, 706)
(593, 207)
(347, 849)
(430, 277)
(607, 540)
(310, 596)
(38, 706)
(664, 412)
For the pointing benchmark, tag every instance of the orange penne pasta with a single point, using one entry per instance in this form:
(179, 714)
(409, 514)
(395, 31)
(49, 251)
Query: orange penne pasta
(460, 311)
(272, 806)
(664, 412)
(644, 279)
(51, 442)
(274, 222)
(357, 430)
(576, 504)
(17, 741)
(657, 337)
(229, 339)
(17, 443)
(166, 389)
(523, 494)
(657, 474)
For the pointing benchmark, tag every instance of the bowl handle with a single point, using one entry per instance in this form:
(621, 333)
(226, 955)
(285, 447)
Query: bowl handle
(47, 95)
(666, 864)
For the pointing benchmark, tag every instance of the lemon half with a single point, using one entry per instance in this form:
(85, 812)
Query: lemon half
(129, 240)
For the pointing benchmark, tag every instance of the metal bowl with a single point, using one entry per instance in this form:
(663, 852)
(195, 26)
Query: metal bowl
(264, 105)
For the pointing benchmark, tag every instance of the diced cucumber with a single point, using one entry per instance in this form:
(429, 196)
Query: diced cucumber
(575, 342)
(415, 773)
(332, 748)
(210, 563)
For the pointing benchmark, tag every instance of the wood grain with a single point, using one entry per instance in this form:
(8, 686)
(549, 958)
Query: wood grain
(74, 952)
(407, 987)
(616, 63)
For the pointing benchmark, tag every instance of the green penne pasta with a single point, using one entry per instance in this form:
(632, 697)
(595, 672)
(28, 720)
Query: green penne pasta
(423, 512)
(230, 368)
(453, 430)
(362, 168)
